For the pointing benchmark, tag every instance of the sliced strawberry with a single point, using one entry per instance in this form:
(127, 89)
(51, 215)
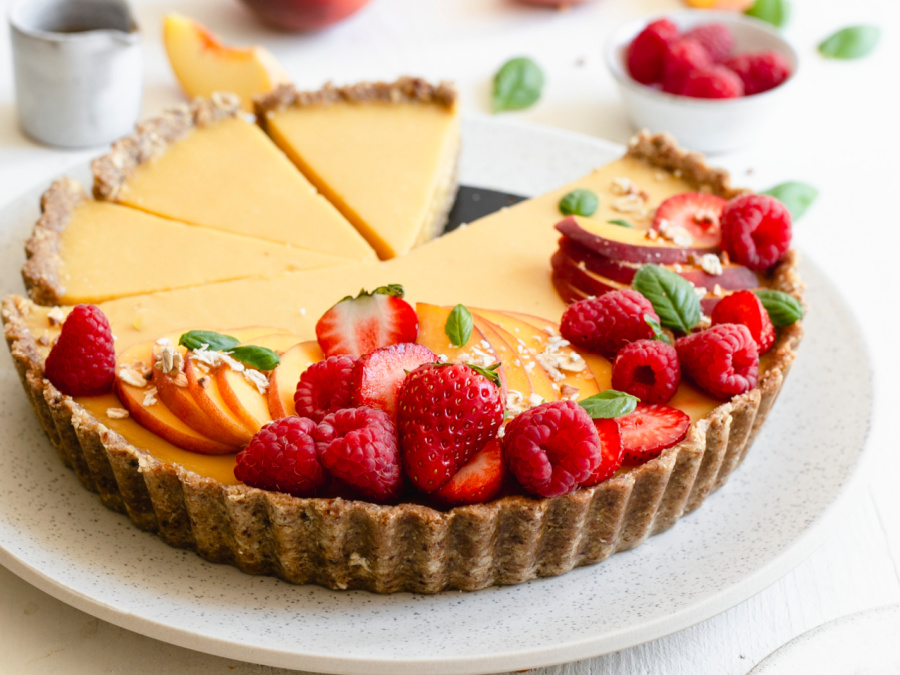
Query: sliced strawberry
(693, 213)
(650, 429)
(478, 481)
(378, 375)
(370, 320)
(746, 309)
(611, 449)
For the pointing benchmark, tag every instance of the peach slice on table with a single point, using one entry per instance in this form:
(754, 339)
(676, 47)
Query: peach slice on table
(155, 416)
(203, 65)
(283, 380)
(432, 322)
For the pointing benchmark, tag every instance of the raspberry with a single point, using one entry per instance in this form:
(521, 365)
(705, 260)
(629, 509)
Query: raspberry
(609, 322)
(683, 58)
(83, 360)
(746, 309)
(712, 82)
(552, 448)
(756, 230)
(715, 38)
(647, 369)
(722, 360)
(282, 456)
(647, 51)
(325, 387)
(359, 446)
(760, 71)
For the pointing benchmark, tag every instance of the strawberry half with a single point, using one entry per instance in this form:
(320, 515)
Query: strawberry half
(371, 320)
(478, 481)
(611, 451)
(378, 375)
(650, 429)
(695, 213)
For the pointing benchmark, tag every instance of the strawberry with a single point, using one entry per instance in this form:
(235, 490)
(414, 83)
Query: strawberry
(611, 451)
(478, 481)
(446, 413)
(356, 326)
(378, 375)
(746, 309)
(650, 429)
(695, 213)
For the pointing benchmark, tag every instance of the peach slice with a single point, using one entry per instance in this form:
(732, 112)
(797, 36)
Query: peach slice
(283, 380)
(204, 65)
(155, 416)
(513, 375)
(433, 319)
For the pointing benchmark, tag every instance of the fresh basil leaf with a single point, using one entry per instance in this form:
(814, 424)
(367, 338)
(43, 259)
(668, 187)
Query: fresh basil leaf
(579, 202)
(459, 326)
(658, 332)
(492, 372)
(216, 342)
(783, 308)
(609, 404)
(261, 358)
(620, 223)
(672, 297)
(517, 85)
(795, 196)
(775, 12)
(853, 42)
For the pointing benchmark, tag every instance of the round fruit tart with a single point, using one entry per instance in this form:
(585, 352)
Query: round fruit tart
(373, 443)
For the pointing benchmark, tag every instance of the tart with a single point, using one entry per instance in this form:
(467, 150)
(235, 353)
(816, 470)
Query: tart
(194, 501)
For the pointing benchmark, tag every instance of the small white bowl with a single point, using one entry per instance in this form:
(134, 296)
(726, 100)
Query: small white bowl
(707, 125)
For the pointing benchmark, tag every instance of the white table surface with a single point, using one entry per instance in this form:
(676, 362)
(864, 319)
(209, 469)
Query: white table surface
(840, 135)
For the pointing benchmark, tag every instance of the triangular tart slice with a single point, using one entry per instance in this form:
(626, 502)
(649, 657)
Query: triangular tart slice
(384, 154)
(205, 164)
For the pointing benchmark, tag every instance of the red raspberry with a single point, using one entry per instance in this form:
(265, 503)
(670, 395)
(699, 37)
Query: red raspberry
(611, 449)
(359, 446)
(683, 58)
(746, 309)
(552, 448)
(647, 51)
(756, 230)
(715, 38)
(760, 71)
(713, 82)
(83, 360)
(722, 360)
(609, 322)
(282, 456)
(325, 387)
(445, 414)
(647, 369)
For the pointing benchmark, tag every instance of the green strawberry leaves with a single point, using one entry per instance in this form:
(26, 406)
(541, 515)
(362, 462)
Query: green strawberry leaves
(579, 202)
(672, 297)
(492, 372)
(609, 404)
(459, 326)
(517, 85)
(783, 308)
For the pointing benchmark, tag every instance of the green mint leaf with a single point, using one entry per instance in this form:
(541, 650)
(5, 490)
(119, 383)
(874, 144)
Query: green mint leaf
(783, 308)
(672, 297)
(216, 342)
(459, 326)
(775, 12)
(517, 85)
(795, 196)
(579, 202)
(609, 404)
(492, 372)
(853, 42)
(620, 223)
(658, 332)
(261, 358)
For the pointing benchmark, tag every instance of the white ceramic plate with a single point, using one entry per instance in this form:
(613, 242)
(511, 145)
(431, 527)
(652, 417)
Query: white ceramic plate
(774, 511)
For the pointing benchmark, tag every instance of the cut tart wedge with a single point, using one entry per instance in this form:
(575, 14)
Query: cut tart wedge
(384, 154)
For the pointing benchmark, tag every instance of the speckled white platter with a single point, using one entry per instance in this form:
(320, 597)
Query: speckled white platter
(774, 511)
(864, 643)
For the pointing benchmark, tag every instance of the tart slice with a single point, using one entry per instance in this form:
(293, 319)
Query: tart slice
(384, 154)
(84, 250)
(207, 165)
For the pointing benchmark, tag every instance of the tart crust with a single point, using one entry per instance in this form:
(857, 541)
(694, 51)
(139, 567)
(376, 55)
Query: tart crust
(344, 544)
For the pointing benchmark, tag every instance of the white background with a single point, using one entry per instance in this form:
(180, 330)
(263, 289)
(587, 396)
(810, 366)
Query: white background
(840, 134)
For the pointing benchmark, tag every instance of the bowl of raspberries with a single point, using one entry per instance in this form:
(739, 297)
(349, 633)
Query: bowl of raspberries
(713, 79)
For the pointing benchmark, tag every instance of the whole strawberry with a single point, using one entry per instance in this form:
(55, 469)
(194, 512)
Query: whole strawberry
(83, 360)
(445, 414)
(282, 456)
